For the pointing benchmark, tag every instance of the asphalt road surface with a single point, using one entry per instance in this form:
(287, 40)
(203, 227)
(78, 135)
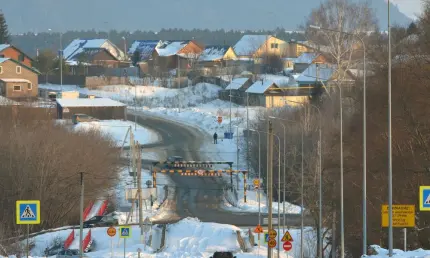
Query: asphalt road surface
(199, 197)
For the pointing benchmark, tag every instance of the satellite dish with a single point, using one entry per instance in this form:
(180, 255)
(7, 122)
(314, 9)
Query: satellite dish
(148, 183)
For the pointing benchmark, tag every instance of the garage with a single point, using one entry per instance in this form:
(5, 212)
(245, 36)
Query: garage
(100, 108)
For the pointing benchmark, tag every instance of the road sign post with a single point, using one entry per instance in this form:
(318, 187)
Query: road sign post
(287, 246)
(125, 232)
(28, 213)
(111, 231)
(403, 216)
(424, 198)
(287, 237)
(147, 224)
(272, 243)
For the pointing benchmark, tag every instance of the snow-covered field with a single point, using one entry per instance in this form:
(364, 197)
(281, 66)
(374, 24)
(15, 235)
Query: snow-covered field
(151, 96)
(117, 130)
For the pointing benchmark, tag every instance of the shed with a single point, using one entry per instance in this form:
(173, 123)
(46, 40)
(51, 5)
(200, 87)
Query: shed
(257, 90)
(101, 108)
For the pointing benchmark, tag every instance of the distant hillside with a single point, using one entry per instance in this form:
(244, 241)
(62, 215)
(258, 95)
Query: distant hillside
(62, 15)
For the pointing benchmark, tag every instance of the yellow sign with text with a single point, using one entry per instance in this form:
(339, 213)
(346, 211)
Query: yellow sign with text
(403, 216)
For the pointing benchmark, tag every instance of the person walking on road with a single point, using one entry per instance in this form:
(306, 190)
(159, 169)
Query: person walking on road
(215, 138)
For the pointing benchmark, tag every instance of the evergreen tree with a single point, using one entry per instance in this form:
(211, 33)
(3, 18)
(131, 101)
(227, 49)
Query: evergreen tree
(4, 33)
(412, 29)
(135, 58)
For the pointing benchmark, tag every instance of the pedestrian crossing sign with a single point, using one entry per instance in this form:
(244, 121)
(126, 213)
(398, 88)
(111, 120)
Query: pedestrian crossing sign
(28, 212)
(424, 198)
(125, 232)
(266, 237)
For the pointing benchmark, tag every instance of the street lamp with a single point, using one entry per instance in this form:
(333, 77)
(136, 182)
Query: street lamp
(270, 192)
(320, 238)
(390, 149)
(259, 175)
(47, 73)
(364, 148)
(302, 181)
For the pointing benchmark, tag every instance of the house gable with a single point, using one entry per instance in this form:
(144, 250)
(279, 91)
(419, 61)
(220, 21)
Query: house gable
(10, 51)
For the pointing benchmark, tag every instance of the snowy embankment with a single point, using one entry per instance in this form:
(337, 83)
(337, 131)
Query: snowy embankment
(117, 131)
(187, 238)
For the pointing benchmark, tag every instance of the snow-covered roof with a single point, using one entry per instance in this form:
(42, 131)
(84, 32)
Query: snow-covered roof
(87, 102)
(236, 83)
(310, 74)
(145, 48)
(2, 59)
(213, 53)
(4, 46)
(306, 58)
(248, 44)
(14, 80)
(77, 46)
(170, 48)
(259, 87)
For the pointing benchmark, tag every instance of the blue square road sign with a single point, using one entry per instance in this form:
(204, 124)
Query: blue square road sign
(28, 212)
(125, 232)
(424, 198)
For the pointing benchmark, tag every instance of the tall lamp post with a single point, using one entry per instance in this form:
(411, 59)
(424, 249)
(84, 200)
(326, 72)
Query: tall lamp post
(320, 238)
(390, 151)
(259, 176)
(364, 204)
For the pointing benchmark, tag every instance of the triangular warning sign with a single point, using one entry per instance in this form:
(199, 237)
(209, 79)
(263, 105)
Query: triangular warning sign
(124, 232)
(258, 229)
(27, 213)
(427, 200)
(287, 237)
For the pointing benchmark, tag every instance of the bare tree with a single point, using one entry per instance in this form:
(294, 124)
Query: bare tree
(42, 160)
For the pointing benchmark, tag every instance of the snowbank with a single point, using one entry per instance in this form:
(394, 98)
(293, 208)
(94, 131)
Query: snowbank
(151, 96)
(382, 253)
(187, 238)
(117, 130)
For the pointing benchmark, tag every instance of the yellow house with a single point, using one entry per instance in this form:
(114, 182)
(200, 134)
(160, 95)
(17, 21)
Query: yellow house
(256, 46)
(217, 55)
(278, 99)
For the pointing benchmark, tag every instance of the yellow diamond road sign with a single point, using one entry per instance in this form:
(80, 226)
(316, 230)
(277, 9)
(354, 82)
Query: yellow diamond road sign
(403, 216)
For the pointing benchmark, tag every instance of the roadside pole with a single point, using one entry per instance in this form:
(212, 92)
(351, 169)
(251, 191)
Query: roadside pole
(139, 187)
(270, 182)
(28, 244)
(81, 215)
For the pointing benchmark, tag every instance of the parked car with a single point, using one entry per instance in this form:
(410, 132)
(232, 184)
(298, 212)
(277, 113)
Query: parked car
(172, 159)
(70, 253)
(223, 255)
(101, 221)
(76, 118)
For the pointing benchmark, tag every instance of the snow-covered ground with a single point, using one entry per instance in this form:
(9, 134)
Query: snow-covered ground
(151, 96)
(187, 238)
(117, 130)
(382, 253)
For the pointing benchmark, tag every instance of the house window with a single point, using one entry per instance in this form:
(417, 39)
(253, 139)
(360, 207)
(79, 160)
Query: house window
(18, 69)
(274, 45)
(1, 56)
(17, 88)
(21, 58)
(29, 86)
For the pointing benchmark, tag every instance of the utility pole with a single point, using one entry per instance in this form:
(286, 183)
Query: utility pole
(270, 181)
(390, 149)
(61, 60)
(139, 188)
(81, 211)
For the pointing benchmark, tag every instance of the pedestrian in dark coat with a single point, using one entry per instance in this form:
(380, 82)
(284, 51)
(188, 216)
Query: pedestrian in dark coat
(215, 138)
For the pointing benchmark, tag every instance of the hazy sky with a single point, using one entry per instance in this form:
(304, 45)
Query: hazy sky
(409, 7)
